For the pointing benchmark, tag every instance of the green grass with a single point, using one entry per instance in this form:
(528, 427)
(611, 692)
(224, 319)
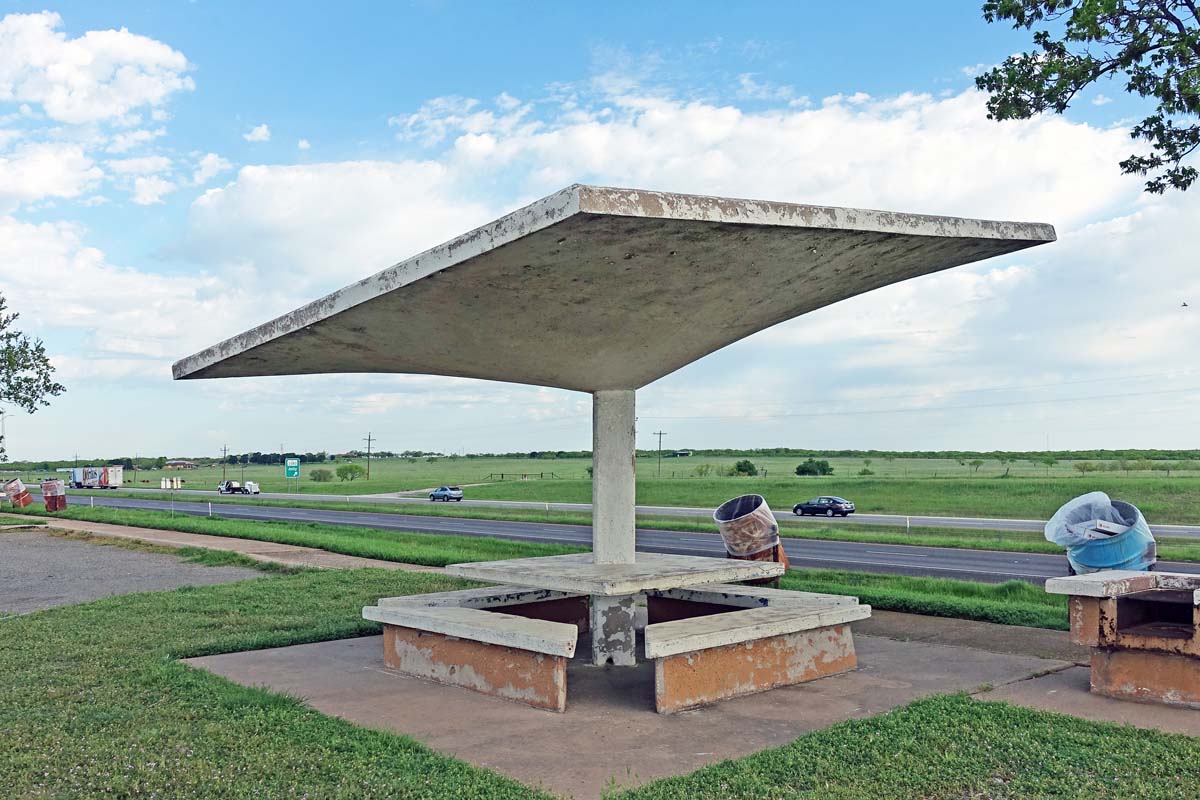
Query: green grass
(412, 548)
(1162, 500)
(954, 747)
(1169, 549)
(94, 702)
(1008, 603)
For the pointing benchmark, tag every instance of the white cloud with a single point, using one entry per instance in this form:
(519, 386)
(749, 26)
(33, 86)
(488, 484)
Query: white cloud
(751, 89)
(101, 75)
(1101, 100)
(63, 286)
(260, 133)
(151, 190)
(328, 224)
(145, 165)
(127, 140)
(208, 167)
(35, 171)
(303, 144)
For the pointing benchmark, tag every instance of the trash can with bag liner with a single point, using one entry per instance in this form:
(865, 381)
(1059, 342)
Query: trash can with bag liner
(1100, 533)
(17, 494)
(750, 532)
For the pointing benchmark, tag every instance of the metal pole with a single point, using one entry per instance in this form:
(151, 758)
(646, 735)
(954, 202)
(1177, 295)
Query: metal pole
(659, 434)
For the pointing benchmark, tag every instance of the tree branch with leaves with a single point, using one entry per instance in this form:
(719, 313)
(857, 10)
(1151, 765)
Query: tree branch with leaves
(26, 374)
(1152, 45)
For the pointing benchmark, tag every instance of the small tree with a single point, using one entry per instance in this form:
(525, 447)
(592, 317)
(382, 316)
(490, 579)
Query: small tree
(26, 374)
(975, 464)
(813, 466)
(1048, 462)
(864, 472)
(745, 467)
(350, 472)
(702, 470)
(320, 475)
(1084, 467)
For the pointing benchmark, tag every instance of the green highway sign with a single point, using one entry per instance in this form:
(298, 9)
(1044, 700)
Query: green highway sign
(291, 468)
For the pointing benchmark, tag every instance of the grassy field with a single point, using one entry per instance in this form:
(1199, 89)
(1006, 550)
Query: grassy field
(1169, 549)
(96, 703)
(899, 486)
(1011, 603)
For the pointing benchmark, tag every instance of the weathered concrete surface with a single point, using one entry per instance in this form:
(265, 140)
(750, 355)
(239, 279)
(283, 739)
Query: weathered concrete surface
(614, 460)
(38, 570)
(535, 679)
(692, 679)
(578, 573)
(614, 632)
(684, 636)
(1066, 691)
(625, 286)
(504, 630)
(1147, 676)
(1112, 583)
(609, 730)
(989, 636)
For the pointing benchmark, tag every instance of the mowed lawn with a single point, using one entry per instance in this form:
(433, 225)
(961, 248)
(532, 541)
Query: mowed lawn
(94, 702)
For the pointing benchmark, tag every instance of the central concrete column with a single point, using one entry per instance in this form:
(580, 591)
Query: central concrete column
(614, 638)
(613, 491)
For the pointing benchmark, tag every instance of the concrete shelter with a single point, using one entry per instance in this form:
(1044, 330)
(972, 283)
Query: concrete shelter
(605, 290)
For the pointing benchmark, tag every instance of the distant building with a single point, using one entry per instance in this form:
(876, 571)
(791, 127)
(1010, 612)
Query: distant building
(679, 454)
(180, 465)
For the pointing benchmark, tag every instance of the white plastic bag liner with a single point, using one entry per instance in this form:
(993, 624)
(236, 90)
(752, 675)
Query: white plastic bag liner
(747, 525)
(1089, 550)
(1069, 525)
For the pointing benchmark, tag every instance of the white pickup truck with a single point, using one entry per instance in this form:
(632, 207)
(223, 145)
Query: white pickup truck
(233, 487)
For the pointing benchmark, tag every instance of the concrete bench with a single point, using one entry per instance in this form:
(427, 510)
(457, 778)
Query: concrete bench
(519, 653)
(773, 638)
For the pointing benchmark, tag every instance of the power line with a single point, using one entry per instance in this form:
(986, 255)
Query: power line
(659, 434)
(368, 441)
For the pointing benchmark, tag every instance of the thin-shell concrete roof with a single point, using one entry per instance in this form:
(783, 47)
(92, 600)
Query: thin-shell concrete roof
(598, 288)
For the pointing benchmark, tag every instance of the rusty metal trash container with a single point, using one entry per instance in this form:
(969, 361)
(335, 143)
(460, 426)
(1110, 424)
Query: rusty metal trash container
(17, 494)
(54, 493)
(750, 532)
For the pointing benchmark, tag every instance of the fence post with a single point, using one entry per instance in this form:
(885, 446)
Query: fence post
(908, 525)
(210, 508)
(92, 498)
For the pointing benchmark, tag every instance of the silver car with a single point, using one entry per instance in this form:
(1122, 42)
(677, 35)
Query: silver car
(447, 493)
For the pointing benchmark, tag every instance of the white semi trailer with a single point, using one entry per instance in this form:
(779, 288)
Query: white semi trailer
(97, 477)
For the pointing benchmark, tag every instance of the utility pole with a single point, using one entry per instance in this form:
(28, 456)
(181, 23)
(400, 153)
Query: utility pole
(3, 435)
(368, 441)
(660, 434)
(224, 458)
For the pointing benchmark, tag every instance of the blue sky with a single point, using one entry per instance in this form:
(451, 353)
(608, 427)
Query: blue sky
(173, 173)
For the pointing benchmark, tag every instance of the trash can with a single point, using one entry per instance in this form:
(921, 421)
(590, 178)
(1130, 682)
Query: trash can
(1100, 534)
(750, 532)
(54, 493)
(17, 494)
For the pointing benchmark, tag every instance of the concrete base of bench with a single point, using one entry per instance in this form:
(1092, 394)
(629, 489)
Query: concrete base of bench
(536, 679)
(1147, 676)
(702, 677)
(505, 641)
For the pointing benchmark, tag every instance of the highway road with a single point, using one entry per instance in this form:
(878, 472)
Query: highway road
(978, 565)
(971, 523)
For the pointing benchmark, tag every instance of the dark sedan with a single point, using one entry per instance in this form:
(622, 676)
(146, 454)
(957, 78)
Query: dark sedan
(824, 506)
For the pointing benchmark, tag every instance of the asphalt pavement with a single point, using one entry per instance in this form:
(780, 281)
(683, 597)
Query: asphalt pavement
(901, 520)
(944, 562)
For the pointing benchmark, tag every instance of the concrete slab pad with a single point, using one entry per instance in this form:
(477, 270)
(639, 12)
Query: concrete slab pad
(609, 731)
(1067, 692)
(626, 286)
(580, 574)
